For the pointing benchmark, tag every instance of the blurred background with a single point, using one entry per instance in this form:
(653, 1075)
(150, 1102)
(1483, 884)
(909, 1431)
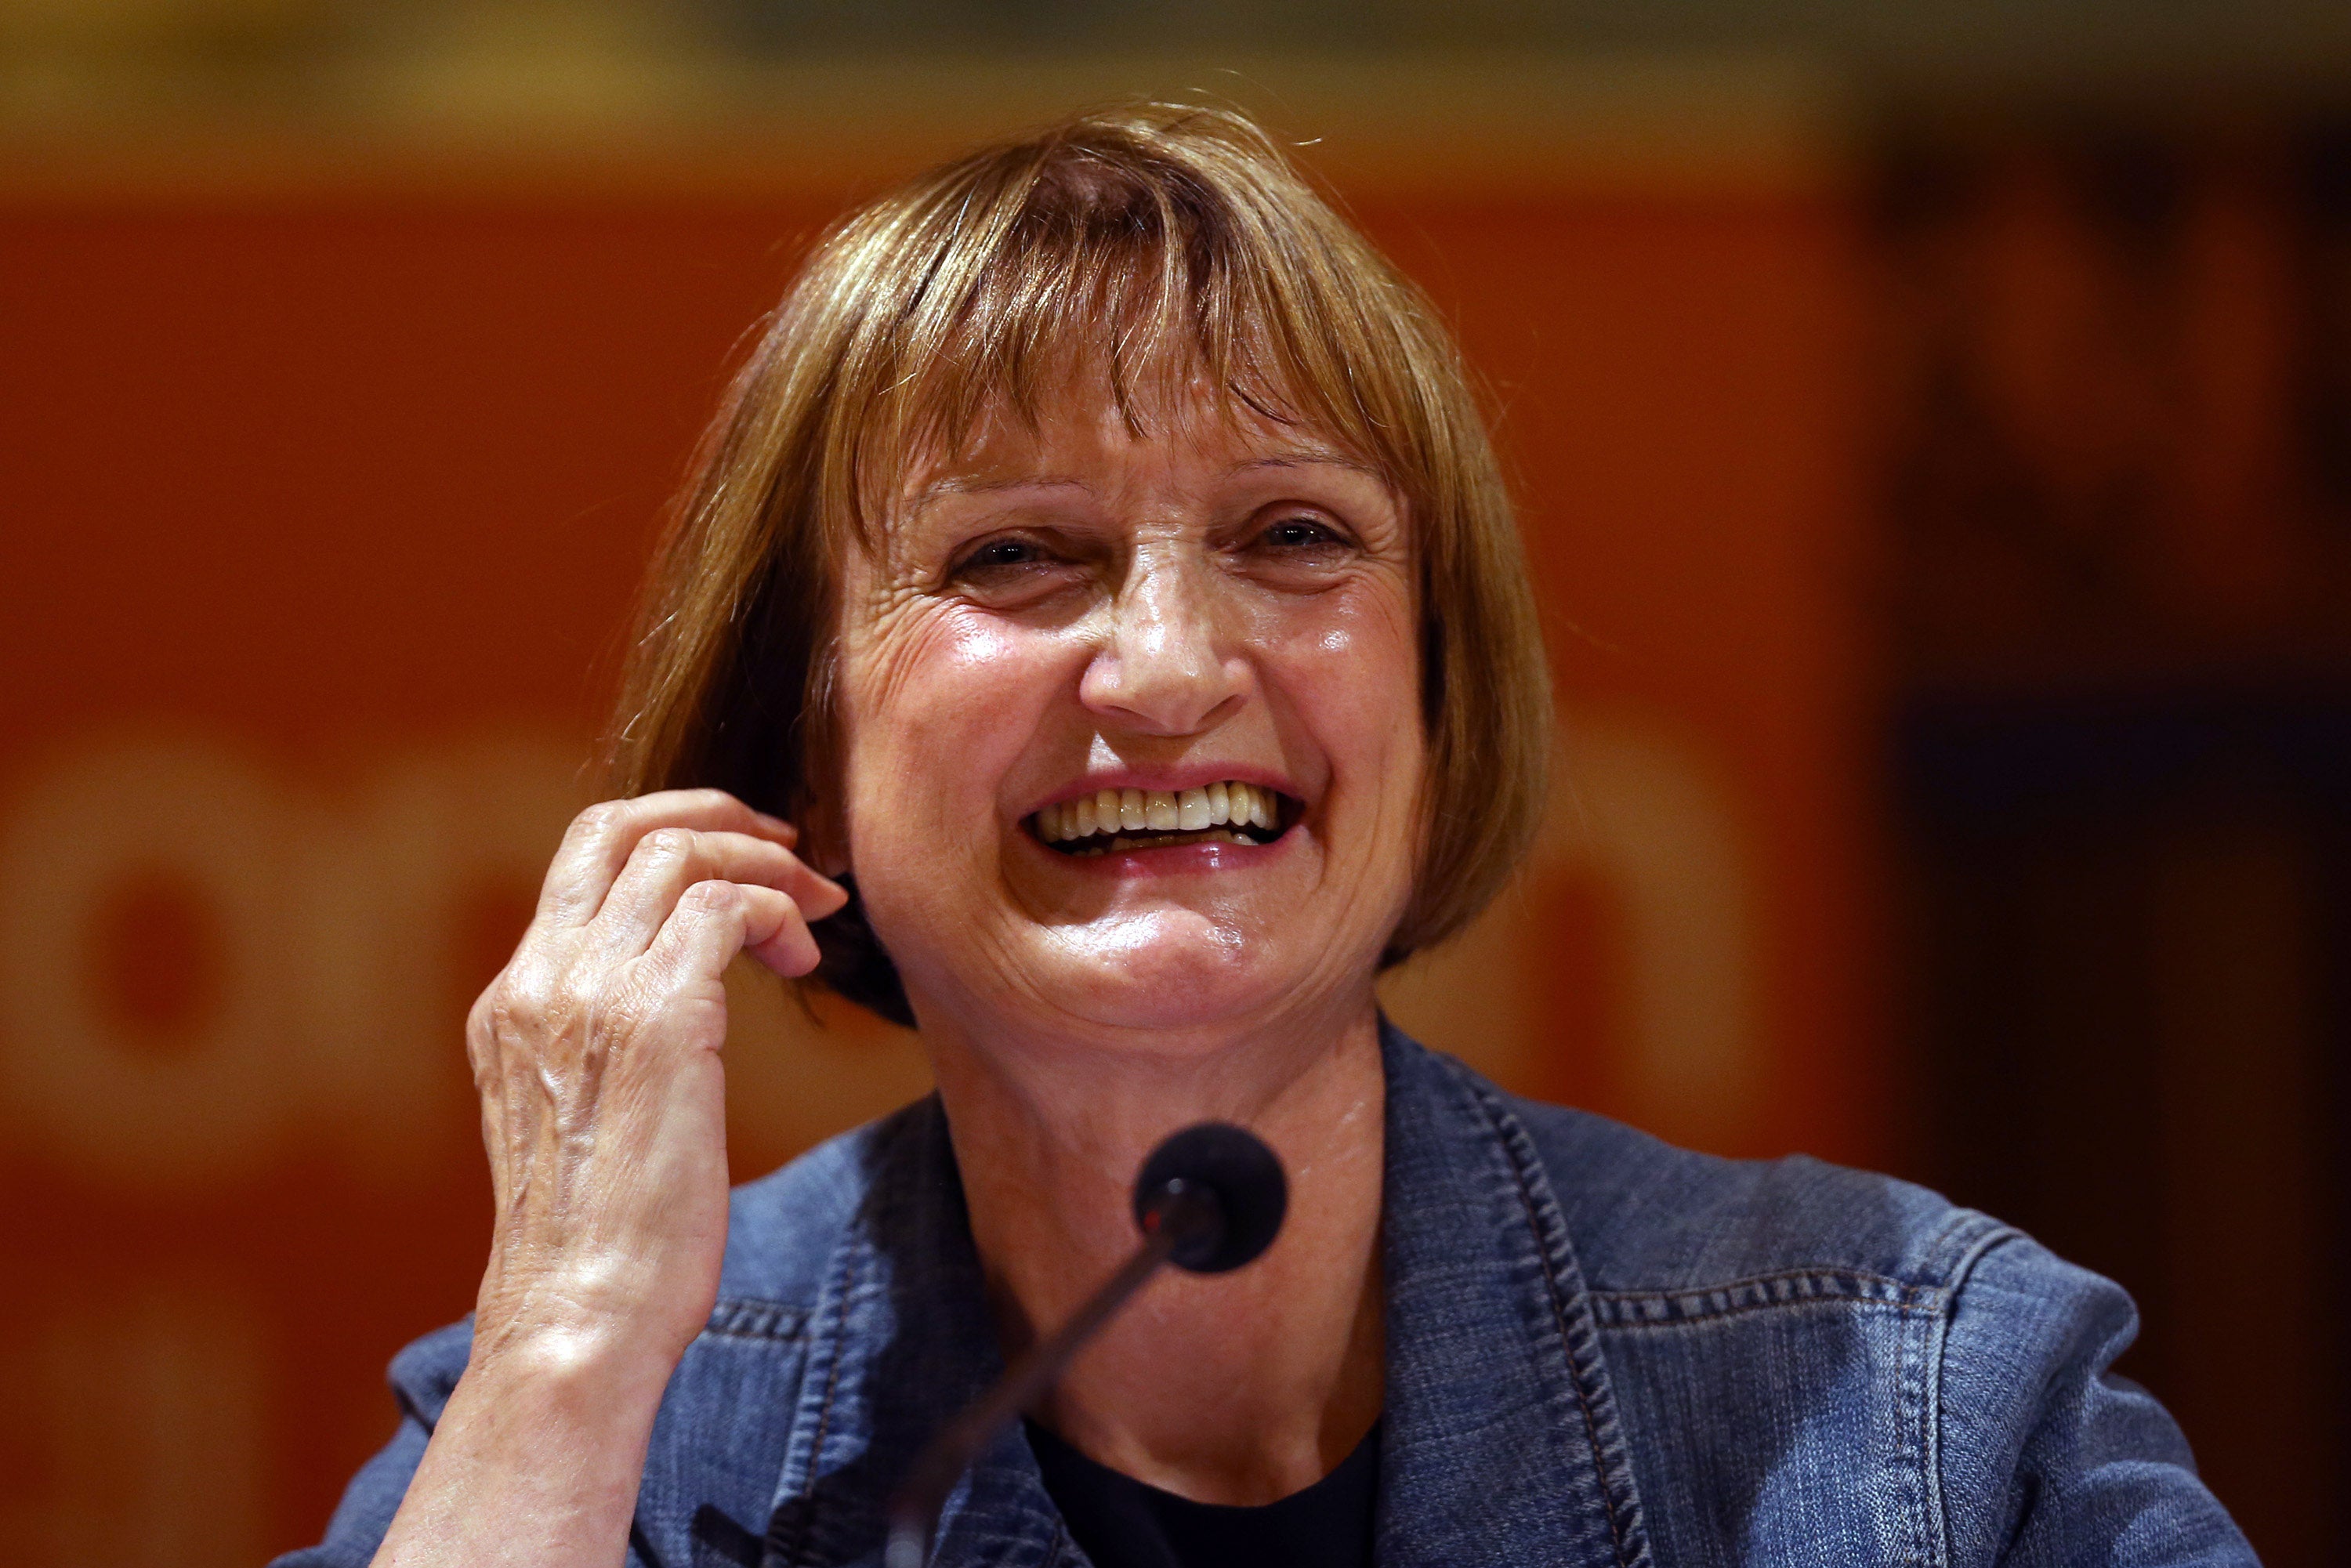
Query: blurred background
(1933, 428)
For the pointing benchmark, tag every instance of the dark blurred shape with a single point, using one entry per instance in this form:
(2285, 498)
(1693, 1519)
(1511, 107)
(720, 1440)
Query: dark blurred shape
(2326, 191)
(2120, 737)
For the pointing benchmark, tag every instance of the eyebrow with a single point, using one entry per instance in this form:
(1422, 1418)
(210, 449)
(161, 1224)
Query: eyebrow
(977, 485)
(1307, 457)
(974, 485)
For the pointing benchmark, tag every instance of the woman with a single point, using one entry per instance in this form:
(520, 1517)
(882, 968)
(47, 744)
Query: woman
(1097, 637)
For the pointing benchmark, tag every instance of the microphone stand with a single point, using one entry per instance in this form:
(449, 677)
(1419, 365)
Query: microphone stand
(1181, 1215)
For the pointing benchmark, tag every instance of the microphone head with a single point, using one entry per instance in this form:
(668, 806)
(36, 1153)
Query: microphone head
(1235, 1168)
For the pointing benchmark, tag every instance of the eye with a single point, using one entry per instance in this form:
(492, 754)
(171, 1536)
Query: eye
(1300, 533)
(996, 555)
(1011, 568)
(1294, 540)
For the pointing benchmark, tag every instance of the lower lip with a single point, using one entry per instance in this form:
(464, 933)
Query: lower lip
(1170, 860)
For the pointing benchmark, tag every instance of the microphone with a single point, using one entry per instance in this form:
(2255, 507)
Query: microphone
(1208, 1200)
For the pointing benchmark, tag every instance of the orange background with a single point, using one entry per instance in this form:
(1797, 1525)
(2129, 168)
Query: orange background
(324, 486)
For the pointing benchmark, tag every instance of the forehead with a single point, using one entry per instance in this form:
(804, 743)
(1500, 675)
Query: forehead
(1086, 433)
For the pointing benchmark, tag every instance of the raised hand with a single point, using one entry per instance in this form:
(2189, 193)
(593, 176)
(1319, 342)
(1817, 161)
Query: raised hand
(597, 1055)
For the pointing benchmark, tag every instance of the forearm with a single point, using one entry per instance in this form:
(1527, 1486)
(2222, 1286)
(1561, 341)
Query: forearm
(536, 1461)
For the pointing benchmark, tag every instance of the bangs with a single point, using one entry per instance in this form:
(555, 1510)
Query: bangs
(1131, 265)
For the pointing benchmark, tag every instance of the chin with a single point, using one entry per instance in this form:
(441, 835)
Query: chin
(1172, 970)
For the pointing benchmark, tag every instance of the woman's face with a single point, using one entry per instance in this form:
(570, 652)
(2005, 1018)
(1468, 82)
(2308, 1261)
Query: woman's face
(1132, 727)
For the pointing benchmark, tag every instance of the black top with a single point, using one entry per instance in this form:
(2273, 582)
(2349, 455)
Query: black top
(1121, 1523)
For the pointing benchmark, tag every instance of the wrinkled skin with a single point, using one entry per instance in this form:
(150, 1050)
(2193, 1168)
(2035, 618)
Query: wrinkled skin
(1058, 607)
(1231, 601)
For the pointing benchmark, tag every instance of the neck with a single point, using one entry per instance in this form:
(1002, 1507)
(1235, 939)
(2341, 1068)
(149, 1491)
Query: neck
(1235, 1388)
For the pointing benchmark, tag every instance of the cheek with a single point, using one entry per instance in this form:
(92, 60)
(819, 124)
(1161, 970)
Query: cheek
(1354, 677)
(935, 703)
(917, 656)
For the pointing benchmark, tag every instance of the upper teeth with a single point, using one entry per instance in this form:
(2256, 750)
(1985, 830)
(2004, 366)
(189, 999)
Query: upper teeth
(1158, 811)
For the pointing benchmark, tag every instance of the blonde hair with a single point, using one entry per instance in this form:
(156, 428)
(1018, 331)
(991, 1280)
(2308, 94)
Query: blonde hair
(1159, 247)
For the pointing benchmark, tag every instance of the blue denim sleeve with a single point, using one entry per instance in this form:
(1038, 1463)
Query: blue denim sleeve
(2047, 1458)
(422, 1376)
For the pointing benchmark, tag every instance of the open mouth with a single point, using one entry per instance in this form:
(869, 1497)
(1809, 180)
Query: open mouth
(1118, 820)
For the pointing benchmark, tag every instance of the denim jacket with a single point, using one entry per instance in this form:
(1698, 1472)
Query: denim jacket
(1602, 1351)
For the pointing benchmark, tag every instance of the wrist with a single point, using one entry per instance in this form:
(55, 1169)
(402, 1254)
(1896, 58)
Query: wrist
(585, 1321)
(601, 1365)
(536, 1458)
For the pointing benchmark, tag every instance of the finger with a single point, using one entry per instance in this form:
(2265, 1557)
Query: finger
(714, 921)
(668, 861)
(601, 838)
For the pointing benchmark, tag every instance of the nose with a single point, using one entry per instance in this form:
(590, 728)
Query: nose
(1165, 666)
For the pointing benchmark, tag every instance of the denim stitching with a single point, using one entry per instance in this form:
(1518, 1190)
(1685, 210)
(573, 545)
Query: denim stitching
(1910, 1412)
(824, 1412)
(1761, 1292)
(746, 1318)
(1700, 1319)
(1581, 1348)
(1981, 1238)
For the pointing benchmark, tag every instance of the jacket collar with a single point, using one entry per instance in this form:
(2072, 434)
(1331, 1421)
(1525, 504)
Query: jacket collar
(899, 1341)
(1501, 1441)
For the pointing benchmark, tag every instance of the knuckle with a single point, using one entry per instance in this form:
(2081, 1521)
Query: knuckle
(531, 1005)
(713, 898)
(601, 819)
(669, 843)
(528, 988)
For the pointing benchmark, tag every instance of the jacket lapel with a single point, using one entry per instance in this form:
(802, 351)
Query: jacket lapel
(1502, 1443)
(901, 1341)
